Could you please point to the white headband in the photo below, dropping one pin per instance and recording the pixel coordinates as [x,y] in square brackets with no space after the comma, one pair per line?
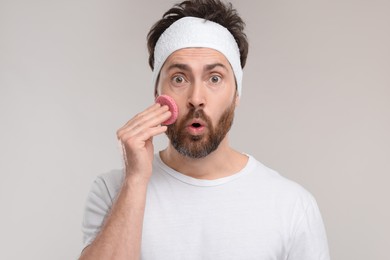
[190,32]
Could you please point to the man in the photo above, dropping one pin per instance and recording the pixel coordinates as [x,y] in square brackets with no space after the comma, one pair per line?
[199,198]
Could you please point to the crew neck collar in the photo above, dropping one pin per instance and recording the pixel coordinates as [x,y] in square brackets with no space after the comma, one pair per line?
[202,182]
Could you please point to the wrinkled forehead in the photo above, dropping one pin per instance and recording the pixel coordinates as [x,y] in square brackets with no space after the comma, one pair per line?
[201,57]
[192,32]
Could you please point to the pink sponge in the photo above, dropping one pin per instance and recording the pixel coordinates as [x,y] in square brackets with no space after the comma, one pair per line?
[167,100]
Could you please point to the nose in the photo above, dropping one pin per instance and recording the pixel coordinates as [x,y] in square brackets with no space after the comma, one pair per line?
[196,96]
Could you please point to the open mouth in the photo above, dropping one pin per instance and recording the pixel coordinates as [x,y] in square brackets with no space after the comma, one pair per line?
[196,128]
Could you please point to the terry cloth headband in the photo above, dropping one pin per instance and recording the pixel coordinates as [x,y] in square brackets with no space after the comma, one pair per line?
[195,32]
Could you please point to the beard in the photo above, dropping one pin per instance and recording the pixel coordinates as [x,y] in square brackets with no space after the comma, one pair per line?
[199,146]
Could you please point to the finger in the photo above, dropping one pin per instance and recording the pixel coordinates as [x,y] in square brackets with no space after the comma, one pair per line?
[141,137]
[151,109]
[151,112]
[141,124]
[145,125]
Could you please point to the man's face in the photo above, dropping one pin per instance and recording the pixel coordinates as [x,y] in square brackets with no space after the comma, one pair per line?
[202,83]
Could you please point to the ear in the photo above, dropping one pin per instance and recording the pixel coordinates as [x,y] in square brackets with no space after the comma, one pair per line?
[156,92]
[156,87]
[237,101]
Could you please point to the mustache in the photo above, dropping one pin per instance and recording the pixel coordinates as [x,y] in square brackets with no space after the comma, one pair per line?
[193,113]
[196,114]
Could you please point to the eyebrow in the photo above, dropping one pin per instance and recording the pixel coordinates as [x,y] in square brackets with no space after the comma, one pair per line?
[185,67]
[214,65]
[179,66]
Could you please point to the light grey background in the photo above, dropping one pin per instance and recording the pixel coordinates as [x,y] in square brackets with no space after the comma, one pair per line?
[315,107]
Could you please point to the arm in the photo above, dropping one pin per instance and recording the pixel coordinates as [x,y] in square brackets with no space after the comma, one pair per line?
[120,235]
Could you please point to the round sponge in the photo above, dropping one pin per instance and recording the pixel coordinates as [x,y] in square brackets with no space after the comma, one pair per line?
[167,100]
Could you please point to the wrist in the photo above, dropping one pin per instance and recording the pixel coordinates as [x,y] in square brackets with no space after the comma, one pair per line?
[136,180]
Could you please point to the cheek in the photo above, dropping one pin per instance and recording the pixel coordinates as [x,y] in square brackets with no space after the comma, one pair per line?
[162,84]
[163,88]
[182,109]
[214,115]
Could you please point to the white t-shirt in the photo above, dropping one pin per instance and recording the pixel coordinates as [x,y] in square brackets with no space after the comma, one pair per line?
[253,214]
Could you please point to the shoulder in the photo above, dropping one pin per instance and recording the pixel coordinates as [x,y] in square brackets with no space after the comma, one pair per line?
[108,184]
[288,196]
[279,186]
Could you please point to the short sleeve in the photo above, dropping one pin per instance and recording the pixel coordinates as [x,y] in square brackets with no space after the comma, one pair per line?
[99,202]
[309,240]
[97,207]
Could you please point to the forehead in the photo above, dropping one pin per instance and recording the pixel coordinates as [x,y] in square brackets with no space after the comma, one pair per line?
[193,56]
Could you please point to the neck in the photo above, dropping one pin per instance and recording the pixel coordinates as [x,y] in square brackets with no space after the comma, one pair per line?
[222,162]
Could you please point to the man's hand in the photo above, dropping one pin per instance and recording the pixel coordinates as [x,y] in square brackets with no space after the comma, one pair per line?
[136,138]
[120,235]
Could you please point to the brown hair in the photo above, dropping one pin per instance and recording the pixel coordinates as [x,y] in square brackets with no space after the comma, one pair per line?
[213,10]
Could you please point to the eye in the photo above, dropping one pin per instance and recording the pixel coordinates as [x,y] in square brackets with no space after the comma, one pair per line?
[215,79]
[179,79]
